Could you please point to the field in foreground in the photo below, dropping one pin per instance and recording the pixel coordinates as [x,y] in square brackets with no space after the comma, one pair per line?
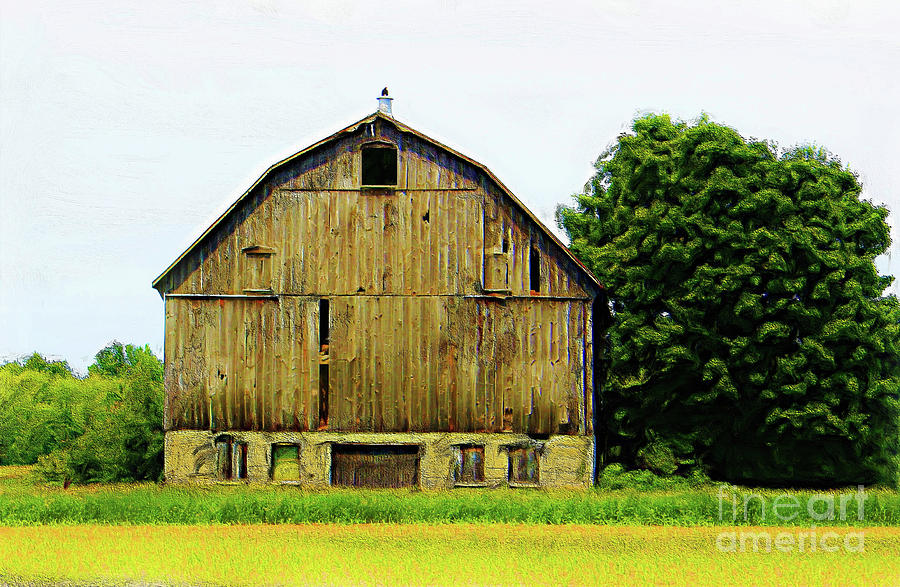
[456,554]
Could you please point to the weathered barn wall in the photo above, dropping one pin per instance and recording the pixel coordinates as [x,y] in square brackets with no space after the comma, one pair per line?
[565,461]
[434,324]
[395,363]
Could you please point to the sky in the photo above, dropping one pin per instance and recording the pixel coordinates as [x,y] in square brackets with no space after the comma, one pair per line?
[126,128]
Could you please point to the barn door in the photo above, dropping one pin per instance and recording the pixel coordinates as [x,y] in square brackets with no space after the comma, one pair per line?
[367,465]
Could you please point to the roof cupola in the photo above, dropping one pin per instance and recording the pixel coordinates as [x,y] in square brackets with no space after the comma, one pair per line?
[384,102]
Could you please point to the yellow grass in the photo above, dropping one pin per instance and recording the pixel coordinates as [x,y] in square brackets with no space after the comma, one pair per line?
[15,471]
[458,554]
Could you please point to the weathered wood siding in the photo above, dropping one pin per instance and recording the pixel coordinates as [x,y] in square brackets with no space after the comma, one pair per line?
[429,236]
[396,363]
[241,364]
[416,340]
[503,222]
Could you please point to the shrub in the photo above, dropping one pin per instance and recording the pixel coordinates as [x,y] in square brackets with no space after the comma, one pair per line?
[104,427]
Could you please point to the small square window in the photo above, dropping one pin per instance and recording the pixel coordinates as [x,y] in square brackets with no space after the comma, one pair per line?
[285,462]
[470,468]
[379,166]
[524,466]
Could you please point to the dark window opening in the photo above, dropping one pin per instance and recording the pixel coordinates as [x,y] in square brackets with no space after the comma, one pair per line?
[507,419]
[523,466]
[323,325]
[324,335]
[379,166]
[223,457]
[534,270]
[285,462]
[239,460]
[505,245]
[471,465]
[323,395]
[231,458]
[375,465]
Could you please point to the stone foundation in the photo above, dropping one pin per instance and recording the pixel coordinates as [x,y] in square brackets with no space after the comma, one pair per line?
[563,461]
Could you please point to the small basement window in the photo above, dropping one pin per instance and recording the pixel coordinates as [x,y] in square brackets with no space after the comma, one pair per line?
[524,466]
[231,458]
[223,458]
[470,469]
[379,166]
[285,462]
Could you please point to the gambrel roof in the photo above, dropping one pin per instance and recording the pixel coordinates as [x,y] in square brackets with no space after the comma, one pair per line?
[350,129]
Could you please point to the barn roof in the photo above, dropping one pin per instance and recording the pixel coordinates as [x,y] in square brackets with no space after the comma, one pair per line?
[403,128]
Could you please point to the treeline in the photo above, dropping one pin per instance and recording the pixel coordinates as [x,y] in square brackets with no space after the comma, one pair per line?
[106,426]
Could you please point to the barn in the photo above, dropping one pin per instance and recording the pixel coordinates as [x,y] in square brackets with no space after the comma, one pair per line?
[379,310]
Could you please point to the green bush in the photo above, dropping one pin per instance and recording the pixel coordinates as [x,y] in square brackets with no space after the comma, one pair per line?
[616,477]
[103,427]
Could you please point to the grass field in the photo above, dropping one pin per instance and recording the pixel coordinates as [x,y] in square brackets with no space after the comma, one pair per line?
[244,535]
[450,554]
[23,502]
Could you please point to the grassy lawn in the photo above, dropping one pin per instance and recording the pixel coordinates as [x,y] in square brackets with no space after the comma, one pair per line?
[420,554]
[23,502]
[269,535]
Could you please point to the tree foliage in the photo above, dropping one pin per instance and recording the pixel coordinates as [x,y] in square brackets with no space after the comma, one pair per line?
[42,407]
[751,336]
[104,427]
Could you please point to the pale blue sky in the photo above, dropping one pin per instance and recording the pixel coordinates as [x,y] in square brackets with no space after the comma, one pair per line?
[126,127]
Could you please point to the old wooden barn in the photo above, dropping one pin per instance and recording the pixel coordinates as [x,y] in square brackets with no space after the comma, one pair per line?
[379,310]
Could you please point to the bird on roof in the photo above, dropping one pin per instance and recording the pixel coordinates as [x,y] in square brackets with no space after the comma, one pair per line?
[384,91]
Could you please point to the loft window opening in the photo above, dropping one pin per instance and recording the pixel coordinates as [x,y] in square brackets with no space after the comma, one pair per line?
[379,166]
[323,396]
[324,335]
[323,324]
[534,269]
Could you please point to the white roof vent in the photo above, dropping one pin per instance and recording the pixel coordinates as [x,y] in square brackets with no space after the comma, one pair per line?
[384,103]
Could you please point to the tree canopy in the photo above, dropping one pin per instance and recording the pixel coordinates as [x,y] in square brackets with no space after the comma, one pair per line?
[751,335]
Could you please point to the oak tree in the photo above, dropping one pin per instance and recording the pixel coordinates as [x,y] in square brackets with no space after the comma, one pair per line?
[751,334]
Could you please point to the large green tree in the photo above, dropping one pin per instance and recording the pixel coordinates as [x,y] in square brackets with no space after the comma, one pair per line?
[751,335]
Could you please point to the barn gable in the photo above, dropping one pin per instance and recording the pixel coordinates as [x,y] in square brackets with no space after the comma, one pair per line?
[316,197]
